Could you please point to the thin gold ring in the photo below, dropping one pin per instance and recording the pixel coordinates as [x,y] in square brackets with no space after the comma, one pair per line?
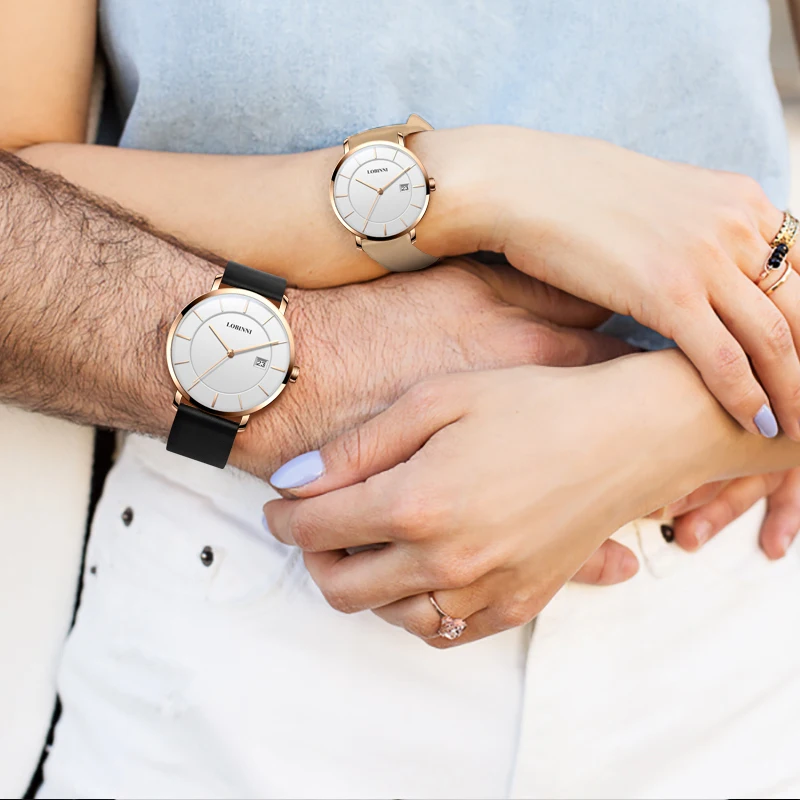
[787,273]
[787,233]
[449,627]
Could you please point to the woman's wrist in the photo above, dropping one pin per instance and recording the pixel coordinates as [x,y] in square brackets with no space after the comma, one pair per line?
[703,442]
[690,438]
[470,209]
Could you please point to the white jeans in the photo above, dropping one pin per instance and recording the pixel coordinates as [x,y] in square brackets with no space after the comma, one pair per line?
[237,680]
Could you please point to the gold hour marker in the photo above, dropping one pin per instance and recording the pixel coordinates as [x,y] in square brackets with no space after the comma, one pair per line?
[181,336]
[395,155]
[178,363]
[346,215]
[246,306]
[340,195]
[376,153]
[241,407]
[384,229]
[263,390]
[405,224]
[194,311]
[280,369]
[415,205]
[214,401]
[418,186]
[221,307]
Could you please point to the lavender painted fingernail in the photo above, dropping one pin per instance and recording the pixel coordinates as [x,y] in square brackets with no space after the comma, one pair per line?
[765,422]
[299,471]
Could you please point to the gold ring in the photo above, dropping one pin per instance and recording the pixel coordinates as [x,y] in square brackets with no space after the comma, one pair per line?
[787,234]
[449,627]
[783,278]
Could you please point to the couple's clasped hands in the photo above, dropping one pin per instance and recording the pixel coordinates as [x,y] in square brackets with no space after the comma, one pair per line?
[492,489]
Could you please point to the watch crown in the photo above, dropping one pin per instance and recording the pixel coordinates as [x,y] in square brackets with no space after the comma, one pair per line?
[431,185]
[294,374]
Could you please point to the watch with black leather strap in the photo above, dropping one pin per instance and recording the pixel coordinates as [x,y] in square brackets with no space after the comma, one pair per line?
[230,353]
[380,192]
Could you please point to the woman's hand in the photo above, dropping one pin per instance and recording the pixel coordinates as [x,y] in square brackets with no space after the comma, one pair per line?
[677,247]
[705,512]
[492,489]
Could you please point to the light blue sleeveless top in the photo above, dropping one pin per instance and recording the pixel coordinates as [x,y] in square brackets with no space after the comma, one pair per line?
[688,80]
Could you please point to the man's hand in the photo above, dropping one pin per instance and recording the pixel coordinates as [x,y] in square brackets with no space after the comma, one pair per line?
[702,514]
[361,347]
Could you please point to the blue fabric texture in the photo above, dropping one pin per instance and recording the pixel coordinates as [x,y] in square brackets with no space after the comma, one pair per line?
[684,80]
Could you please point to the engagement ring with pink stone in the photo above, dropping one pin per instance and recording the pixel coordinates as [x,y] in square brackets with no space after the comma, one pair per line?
[449,627]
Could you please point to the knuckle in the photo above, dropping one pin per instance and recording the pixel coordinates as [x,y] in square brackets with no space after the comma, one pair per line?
[778,337]
[339,599]
[520,607]
[730,364]
[750,191]
[425,397]
[737,224]
[515,615]
[358,449]
[417,513]
[304,531]
[683,291]
[454,572]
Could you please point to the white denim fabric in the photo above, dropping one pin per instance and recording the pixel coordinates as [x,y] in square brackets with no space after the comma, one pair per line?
[237,680]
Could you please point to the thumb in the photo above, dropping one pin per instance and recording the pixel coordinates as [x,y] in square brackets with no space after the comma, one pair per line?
[381,443]
[611,563]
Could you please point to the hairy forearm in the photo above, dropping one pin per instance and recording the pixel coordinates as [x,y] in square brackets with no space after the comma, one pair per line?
[86,294]
[271,212]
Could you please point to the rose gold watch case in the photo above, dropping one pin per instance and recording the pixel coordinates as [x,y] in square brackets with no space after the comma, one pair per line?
[359,234]
[182,396]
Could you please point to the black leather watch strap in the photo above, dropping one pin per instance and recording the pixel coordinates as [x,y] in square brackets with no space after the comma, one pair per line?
[202,436]
[241,277]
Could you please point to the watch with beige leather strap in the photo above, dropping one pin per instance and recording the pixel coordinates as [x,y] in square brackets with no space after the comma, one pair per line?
[380,192]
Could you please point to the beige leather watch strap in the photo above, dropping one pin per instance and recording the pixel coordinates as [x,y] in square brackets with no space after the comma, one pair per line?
[400,254]
[397,255]
[390,133]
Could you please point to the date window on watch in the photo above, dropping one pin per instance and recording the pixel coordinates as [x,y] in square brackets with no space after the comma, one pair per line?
[261,363]
[404,187]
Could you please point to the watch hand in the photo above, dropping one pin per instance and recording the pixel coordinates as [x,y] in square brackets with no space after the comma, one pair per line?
[255,347]
[372,208]
[368,185]
[212,367]
[220,340]
[399,175]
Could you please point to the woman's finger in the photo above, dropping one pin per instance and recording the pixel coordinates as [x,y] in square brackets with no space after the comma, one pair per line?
[343,518]
[382,442]
[373,578]
[694,529]
[725,368]
[782,521]
[768,332]
[419,616]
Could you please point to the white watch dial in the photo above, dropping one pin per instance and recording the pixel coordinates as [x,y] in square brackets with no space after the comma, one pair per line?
[380,191]
[230,352]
